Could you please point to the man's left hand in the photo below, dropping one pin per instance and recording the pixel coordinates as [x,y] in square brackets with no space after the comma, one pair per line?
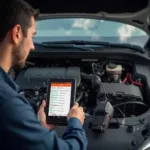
[42,117]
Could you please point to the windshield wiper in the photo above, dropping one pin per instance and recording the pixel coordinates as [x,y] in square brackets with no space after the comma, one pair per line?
[62,46]
[99,43]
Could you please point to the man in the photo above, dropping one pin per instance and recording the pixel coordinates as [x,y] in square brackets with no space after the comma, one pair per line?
[20,128]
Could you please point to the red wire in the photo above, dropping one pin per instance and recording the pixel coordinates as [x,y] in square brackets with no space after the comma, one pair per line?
[129,77]
[125,79]
[136,83]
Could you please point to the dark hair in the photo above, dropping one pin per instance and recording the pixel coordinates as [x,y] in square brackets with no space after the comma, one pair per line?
[14,12]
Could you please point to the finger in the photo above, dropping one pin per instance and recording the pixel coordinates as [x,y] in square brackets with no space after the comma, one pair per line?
[51,126]
[75,105]
[81,108]
[43,104]
[83,116]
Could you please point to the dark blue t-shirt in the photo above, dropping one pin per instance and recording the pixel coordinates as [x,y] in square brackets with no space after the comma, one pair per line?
[20,128]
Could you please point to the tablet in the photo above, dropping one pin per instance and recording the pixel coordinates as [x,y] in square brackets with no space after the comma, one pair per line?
[61,95]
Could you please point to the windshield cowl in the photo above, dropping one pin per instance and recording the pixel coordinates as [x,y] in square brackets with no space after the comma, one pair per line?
[87,45]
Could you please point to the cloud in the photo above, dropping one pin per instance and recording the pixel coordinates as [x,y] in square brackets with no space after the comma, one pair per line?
[83,23]
[126,31]
[68,32]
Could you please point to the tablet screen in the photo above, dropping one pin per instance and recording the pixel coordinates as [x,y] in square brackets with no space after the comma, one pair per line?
[60,96]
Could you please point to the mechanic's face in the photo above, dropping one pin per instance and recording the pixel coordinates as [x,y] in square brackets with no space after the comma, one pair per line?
[23,45]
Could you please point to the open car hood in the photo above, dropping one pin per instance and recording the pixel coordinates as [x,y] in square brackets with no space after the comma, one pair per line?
[135,12]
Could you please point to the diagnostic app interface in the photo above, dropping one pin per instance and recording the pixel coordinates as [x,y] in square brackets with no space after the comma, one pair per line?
[60,94]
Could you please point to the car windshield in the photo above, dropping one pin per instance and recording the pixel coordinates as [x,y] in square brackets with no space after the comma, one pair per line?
[68,29]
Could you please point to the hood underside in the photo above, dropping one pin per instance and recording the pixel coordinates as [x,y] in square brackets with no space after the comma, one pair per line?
[133,12]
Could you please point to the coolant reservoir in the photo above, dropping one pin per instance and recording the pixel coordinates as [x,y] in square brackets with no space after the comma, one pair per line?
[114,71]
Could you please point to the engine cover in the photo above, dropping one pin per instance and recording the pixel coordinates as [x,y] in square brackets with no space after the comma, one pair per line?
[37,77]
[117,92]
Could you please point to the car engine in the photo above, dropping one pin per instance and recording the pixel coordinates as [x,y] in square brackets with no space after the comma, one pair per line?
[96,81]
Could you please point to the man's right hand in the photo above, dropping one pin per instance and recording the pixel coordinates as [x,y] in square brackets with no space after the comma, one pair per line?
[77,112]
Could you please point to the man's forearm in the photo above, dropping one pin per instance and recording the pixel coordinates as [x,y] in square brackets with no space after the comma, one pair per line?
[75,135]
[23,128]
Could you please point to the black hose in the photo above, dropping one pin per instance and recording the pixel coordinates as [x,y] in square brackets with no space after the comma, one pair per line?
[79,97]
[86,77]
[131,102]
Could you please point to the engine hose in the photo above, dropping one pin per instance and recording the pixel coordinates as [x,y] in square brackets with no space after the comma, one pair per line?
[85,76]
[79,97]
[131,102]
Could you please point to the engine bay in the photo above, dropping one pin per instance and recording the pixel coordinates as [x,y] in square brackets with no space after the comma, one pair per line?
[125,85]
[117,81]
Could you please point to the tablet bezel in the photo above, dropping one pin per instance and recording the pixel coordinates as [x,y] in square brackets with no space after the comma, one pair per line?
[59,119]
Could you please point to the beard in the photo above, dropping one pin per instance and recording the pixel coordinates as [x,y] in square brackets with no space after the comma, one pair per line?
[18,56]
